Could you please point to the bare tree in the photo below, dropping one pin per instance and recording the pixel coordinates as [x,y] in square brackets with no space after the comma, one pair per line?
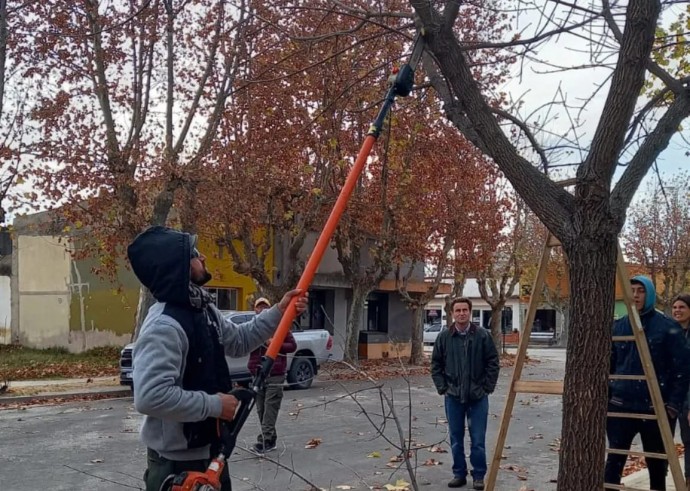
[134,121]
[588,222]
[13,107]
[498,280]
[657,237]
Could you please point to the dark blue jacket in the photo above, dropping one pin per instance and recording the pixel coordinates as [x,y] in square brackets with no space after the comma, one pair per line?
[670,356]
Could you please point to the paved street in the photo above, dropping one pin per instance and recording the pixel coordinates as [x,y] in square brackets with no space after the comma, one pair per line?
[95,445]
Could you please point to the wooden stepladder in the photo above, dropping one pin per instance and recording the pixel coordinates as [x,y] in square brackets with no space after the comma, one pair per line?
[555,387]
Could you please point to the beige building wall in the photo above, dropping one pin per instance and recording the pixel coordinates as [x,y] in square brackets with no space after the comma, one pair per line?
[43,274]
[5,310]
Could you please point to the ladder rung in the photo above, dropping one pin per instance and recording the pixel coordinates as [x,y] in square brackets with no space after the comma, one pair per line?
[621,486]
[622,338]
[627,377]
[539,386]
[651,455]
[631,415]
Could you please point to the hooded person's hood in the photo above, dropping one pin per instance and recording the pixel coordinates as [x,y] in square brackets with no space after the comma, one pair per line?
[650,293]
[160,258]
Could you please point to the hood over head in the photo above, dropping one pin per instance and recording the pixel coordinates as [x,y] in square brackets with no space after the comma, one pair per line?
[650,292]
[160,258]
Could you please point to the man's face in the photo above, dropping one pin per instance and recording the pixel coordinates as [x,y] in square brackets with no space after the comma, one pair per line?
[198,273]
[639,295]
[461,313]
[260,308]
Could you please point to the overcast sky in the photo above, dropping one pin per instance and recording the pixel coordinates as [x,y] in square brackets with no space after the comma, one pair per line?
[534,87]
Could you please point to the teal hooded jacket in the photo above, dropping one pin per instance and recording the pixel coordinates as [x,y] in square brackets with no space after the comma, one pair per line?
[670,356]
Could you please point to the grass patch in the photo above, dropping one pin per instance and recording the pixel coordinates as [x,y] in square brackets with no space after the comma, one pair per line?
[20,363]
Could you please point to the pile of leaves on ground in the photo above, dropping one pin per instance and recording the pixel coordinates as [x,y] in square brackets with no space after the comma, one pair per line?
[387,368]
[508,360]
[21,363]
[56,401]
[381,369]
[635,463]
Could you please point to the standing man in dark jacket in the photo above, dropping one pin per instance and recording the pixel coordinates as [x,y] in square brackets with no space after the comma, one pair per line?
[180,375]
[268,400]
[670,358]
[464,367]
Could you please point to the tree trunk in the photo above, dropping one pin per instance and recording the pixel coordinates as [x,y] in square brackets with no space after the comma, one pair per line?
[145,302]
[417,337]
[495,326]
[354,320]
[587,363]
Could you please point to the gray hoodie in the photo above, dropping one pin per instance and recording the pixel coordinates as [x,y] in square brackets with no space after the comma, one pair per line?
[161,350]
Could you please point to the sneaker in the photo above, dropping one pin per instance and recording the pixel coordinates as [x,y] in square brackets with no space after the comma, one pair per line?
[478,484]
[262,448]
[457,482]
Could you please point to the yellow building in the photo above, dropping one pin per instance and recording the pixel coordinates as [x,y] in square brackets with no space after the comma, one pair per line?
[58,301]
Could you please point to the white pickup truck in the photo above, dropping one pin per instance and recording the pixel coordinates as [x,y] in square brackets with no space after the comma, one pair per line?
[314,346]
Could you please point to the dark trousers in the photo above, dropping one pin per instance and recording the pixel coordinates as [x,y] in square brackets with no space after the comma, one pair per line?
[158,468]
[621,432]
[476,413]
[685,436]
[268,403]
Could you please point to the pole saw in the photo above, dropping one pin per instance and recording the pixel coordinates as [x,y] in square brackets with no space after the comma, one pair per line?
[400,84]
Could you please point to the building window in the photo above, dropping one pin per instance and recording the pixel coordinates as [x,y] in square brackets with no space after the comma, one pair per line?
[225,298]
[433,316]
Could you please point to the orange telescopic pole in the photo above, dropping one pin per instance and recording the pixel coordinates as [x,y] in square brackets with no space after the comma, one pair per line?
[400,84]
[322,244]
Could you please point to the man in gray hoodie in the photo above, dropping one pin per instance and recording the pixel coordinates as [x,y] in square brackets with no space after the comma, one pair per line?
[180,375]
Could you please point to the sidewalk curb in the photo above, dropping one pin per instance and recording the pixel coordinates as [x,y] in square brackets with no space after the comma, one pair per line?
[107,392]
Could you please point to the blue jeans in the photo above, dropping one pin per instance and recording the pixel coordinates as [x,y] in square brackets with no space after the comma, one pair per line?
[477,413]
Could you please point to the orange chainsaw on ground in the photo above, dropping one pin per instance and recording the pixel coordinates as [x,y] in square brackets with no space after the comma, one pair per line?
[400,84]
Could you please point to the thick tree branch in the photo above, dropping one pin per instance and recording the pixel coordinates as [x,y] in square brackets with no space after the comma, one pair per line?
[550,202]
[654,144]
[528,133]
[626,84]
[452,107]
[210,61]
[673,84]
[101,82]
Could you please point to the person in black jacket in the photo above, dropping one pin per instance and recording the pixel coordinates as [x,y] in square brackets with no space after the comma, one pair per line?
[464,368]
[680,309]
[670,359]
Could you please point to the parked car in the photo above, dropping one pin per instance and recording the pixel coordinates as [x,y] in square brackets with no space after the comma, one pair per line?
[314,347]
[431,332]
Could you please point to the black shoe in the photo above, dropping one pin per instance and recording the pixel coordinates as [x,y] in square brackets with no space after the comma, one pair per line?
[262,448]
[457,482]
[478,484]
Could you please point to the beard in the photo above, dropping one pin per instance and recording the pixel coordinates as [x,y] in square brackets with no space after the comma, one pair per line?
[202,279]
